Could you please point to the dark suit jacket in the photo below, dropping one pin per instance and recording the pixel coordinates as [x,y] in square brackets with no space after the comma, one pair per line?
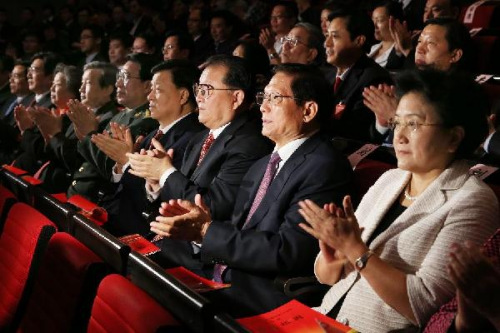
[356,120]
[272,243]
[32,143]
[203,48]
[219,175]
[131,197]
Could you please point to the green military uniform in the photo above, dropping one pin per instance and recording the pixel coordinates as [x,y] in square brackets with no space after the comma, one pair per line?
[140,123]
[86,178]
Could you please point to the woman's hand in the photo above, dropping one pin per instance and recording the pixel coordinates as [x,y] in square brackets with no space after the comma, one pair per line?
[335,227]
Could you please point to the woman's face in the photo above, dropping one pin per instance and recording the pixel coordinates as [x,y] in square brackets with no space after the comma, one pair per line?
[324,20]
[426,147]
[381,22]
[59,93]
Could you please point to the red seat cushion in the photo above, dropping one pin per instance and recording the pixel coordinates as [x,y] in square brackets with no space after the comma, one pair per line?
[121,306]
[367,172]
[25,236]
[62,286]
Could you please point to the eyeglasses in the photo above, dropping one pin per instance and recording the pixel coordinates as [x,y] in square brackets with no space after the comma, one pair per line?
[292,41]
[167,47]
[17,76]
[206,90]
[34,69]
[413,125]
[273,98]
[125,76]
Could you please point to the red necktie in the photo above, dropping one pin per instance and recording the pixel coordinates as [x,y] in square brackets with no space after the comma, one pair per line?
[158,135]
[272,167]
[206,146]
[337,83]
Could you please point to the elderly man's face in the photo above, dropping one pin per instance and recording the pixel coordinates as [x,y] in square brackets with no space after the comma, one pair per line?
[171,49]
[131,91]
[91,92]
[282,117]
[217,102]
[296,49]
[433,49]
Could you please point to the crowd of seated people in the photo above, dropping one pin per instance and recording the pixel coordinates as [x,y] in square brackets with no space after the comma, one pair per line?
[205,127]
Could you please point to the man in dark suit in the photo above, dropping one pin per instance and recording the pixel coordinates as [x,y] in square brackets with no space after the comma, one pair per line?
[6,65]
[197,25]
[91,39]
[262,238]
[9,133]
[346,47]
[40,76]
[178,123]
[216,159]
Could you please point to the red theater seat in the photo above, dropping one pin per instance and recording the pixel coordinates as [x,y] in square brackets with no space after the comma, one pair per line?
[7,199]
[121,306]
[486,15]
[367,172]
[22,244]
[64,288]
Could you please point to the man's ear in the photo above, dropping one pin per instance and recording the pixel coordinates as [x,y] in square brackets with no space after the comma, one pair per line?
[360,40]
[310,111]
[313,53]
[184,96]
[456,55]
[238,98]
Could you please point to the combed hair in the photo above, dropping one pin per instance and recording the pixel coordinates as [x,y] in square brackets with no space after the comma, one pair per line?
[50,61]
[109,71]
[315,40]
[238,74]
[393,8]
[457,99]
[146,62]
[184,40]
[358,24]
[184,74]
[73,76]
[309,84]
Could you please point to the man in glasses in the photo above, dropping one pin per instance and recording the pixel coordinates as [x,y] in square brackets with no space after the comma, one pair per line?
[133,85]
[216,159]
[303,45]
[178,45]
[262,239]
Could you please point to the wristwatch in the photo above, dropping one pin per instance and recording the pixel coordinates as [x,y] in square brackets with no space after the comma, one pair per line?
[360,263]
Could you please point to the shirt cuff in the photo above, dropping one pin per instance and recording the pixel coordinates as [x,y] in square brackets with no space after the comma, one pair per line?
[381,129]
[166,174]
[196,247]
[486,144]
[151,194]
[116,177]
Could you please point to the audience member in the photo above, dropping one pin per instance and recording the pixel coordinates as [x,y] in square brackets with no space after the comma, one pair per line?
[388,255]
[173,105]
[257,60]
[283,18]
[384,53]
[133,85]
[476,276]
[91,38]
[308,13]
[261,239]
[346,47]
[9,133]
[140,21]
[303,45]
[216,159]
[120,44]
[222,28]
[178,45]
[91,115]
[6,96]
[197,26]
[144,43]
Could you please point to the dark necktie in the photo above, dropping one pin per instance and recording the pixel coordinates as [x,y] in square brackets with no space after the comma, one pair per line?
[158,135]
[206,146]
[272,167]
[337,83]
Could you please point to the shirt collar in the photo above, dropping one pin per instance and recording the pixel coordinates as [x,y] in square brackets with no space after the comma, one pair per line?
[165,129]
[216,132]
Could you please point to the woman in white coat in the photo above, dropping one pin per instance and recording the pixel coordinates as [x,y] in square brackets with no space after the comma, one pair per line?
[387,261]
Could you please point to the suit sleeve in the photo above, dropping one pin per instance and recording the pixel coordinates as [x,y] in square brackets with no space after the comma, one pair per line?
[287,248]
[64,149]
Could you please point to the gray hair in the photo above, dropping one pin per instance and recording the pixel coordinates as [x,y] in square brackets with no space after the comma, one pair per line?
[315,40]
[72,75]
[109,71]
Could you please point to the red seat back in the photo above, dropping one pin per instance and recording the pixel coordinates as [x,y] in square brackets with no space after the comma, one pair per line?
[121,306]
[486,15]
[22,244]
[367,172]
[7,199]
[64,288]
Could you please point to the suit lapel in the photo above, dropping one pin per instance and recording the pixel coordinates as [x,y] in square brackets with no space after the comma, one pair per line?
[280,181]
[428,202]
[189,165]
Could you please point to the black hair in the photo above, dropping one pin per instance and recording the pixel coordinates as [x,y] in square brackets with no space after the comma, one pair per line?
[50,61]
[184,74]
[358,23]
[146,62]
[291,8]
[457,99]
[392,8]
[184,40]
[123,37]
[309,84]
